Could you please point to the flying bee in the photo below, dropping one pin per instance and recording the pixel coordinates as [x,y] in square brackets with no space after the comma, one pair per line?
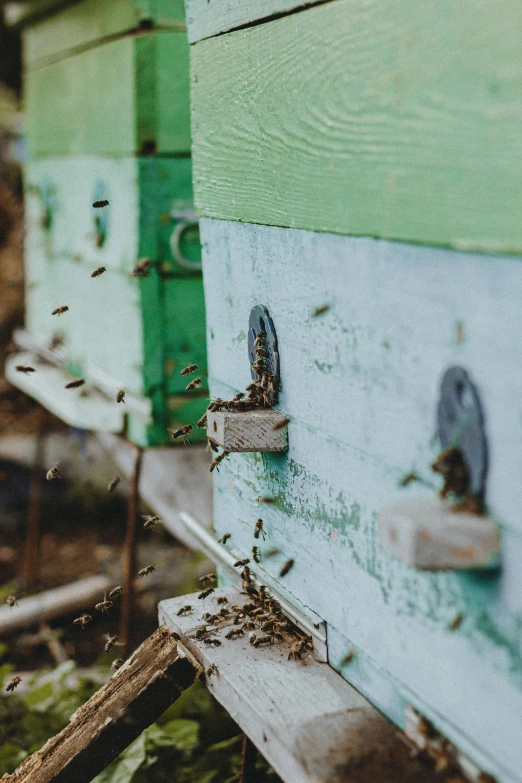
[207,579]
[408,478]
[202,423]
[147,570]
[113,484]
[222,599]
[75,384]
[115,592]
[264,499]
[142,268]
[255,554]
[83,620]
[217,462]
[193,384]
[205,593]
[210,642]
[12,684]
[286,568]
[184,610]
[99,271]
[456,622]
[281,424]
[109,644]
[53,473]
[241,563]
[100,204]
[212,445]
[234,633]
[320,310]
[258,529]
[150,522]
[182,432]
[11,600]
[104,606]
[224,539]
[60,310]
[24,369]
[212,669]
[348,657]
[120,396]
[117,664]
[189,370]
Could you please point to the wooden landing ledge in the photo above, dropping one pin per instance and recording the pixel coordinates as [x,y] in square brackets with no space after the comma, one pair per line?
[309,724]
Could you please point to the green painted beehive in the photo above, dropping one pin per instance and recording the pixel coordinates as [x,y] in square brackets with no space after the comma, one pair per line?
[106,91]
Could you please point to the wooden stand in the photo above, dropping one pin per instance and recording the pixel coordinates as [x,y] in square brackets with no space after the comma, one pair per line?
[258,430]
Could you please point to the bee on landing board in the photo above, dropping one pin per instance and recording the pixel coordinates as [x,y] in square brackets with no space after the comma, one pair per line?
[120,396]
[184,610]
[145,571]
[210,642]
[12,684]
[117,664]
[234,633]
[11,600]
[99,271]
[212,669]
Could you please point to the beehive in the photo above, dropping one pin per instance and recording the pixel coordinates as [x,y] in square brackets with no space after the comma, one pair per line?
[357,166]
[107,104]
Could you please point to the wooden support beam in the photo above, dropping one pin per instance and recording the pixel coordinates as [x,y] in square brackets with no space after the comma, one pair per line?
[259,430]
[426,534]
[138,693]
[310,724]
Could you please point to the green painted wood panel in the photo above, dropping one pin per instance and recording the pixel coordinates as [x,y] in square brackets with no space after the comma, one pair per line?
[112,99]
[81,25]
[398,120]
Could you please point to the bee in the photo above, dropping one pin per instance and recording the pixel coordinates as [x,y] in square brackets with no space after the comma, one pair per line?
[202,423]
[259,366]
[451,465]
[241,563]
[296,651]
[206,592]
[206,579]
[109,644]
[224,539]
[193,384]
[147,570]
[182,432]
[348,657]
[75,384]
[113,484]
[117,664]
[210,642]
[24,369]
[212,669]
[189,370]
[142,268]
[206,616]
[456,622]
[281,424]
[320,310]
[104,606]
[234,633]
[212,619]
[224,612]
[248,626]
[54,344]
[11,600]
[260,339]
[222,599]
[99,271]
[60,310]
[100,204]
[264,499]
[200,632]
[150,522]
[259,640]
[83,620]
[216,463]
[120,396]
[286,568]
[184,610]
[115,592]
[12,684]
[53,473]
[212,445]
[255,554]
[258,529]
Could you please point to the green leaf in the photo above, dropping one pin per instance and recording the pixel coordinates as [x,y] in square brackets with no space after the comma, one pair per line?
[180,733]
[225,744]
[40,698]
[123,768]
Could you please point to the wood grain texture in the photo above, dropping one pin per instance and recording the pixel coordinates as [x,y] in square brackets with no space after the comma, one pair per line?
[84,24]
[138,693]
[205,19]
[112,99]
[360,385]
[310,725]
[397,120]
[426,534]
[248,431]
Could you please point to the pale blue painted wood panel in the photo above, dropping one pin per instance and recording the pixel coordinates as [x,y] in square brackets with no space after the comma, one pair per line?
[360,385]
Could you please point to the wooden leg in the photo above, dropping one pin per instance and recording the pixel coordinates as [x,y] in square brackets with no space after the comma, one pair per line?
[129,556]
[248,762]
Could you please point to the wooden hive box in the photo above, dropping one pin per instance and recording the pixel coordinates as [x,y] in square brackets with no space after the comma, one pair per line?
[357,166]
[106,93]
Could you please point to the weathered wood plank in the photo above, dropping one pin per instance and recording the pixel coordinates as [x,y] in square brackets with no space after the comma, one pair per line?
[138,693]
[308,723]
[393,120]
[360,384]
[248,431]
[206,19]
